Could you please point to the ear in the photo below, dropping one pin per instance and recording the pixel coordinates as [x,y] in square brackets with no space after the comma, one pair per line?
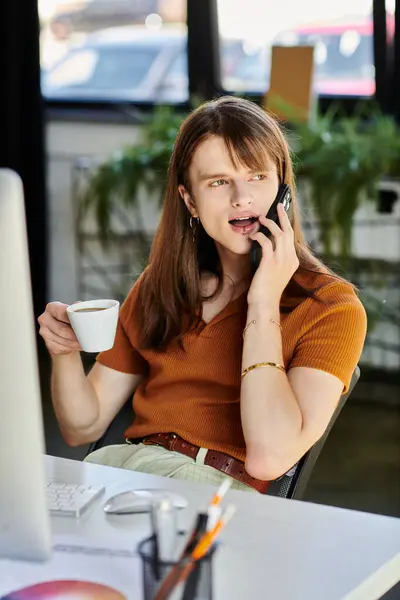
[186,197]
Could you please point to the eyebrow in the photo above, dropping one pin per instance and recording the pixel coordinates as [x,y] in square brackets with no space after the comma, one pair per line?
[206,176]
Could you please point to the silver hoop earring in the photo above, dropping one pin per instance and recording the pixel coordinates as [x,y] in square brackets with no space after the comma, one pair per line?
[193,227]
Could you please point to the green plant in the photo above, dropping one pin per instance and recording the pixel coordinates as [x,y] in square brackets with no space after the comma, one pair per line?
[135,170]
[342,159]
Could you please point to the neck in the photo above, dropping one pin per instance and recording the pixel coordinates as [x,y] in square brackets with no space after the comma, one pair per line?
[234,267]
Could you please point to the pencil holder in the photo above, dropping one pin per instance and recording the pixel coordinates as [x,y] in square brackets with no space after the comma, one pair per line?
[198,585]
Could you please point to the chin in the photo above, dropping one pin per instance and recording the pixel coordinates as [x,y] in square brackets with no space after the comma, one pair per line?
[243,252]
[242,249]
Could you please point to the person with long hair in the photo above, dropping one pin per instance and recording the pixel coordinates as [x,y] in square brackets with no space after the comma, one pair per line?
[232,373]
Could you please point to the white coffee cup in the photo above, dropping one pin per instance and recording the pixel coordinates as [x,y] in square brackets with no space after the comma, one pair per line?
[94,323]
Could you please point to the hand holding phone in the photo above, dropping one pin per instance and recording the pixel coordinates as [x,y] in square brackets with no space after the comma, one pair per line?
[283,196]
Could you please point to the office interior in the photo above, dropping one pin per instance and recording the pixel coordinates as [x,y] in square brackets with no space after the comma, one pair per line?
[76,92]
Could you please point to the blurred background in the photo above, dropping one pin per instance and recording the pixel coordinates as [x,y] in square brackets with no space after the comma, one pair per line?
[109,83]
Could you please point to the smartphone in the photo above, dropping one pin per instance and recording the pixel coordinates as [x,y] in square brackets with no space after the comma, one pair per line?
[284,196]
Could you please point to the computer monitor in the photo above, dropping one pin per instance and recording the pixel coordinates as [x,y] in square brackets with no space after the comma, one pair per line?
[24,517]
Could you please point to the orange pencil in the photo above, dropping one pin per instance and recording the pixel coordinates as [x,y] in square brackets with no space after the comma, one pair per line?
[182,570]
[209,538]
[220,493]
[214,509]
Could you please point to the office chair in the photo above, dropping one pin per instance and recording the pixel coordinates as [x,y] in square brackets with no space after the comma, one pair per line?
[294,482]
[290,485]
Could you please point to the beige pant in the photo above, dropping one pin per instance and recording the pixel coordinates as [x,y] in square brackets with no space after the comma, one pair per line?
[157,460]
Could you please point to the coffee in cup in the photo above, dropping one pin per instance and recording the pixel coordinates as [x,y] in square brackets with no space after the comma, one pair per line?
[81,310]
[94,323]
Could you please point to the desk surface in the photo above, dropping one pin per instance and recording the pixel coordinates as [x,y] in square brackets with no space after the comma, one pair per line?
[283,549]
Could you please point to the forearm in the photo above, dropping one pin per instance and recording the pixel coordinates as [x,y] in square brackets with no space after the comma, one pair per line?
[271,416]
[74,399]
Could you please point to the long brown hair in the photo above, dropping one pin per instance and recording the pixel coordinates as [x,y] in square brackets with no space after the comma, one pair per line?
[170,288]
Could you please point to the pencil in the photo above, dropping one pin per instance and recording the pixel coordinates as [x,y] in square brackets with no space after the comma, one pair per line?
[214,508]
[209,538]
[182,570]
[221,492]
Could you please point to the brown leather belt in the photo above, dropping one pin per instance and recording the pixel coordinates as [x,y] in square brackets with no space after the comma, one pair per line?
[214,458]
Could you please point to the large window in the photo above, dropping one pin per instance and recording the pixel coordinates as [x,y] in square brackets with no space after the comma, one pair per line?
[136,50]
[340,31]
[115,50]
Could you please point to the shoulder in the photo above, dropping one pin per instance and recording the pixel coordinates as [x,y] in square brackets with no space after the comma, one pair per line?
[329,328]
[336,293]
[129,305]
[335,300]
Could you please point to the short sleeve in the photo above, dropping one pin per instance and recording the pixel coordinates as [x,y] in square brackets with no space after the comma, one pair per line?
[123,356]
[334,334]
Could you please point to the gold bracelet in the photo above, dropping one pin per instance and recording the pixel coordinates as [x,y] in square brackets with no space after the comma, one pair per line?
[254,322]
[276,323]
[247,326]
[263,364]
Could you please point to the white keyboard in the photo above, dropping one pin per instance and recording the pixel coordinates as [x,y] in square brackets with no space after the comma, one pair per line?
[71,499]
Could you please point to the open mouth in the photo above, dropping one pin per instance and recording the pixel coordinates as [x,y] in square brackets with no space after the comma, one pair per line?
[243,221]
[244,225]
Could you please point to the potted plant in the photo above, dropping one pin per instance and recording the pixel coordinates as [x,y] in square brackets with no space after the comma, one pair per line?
[343,159]
[134,172]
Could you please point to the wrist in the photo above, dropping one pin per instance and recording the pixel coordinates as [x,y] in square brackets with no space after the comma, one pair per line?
[71,357]
[261,318]
[263,310]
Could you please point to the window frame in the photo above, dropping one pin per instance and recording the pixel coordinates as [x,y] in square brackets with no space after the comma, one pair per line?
[204,76]
[395,88]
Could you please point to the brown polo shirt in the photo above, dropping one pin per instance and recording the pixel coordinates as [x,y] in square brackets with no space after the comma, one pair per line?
[196,393]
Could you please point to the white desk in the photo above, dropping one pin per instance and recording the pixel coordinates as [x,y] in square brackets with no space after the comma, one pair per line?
[273,548]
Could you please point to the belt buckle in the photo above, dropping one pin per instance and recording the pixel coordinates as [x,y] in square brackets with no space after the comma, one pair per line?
[148,442]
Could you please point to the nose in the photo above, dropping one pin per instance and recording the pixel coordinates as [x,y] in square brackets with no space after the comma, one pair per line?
[241,196]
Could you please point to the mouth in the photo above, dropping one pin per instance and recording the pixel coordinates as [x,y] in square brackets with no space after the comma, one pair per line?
[245,225]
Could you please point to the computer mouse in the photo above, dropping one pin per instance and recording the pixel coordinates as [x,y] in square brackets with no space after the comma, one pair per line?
[139,501]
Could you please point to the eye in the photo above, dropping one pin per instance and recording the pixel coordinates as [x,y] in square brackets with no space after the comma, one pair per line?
[218,182]
[259,176]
